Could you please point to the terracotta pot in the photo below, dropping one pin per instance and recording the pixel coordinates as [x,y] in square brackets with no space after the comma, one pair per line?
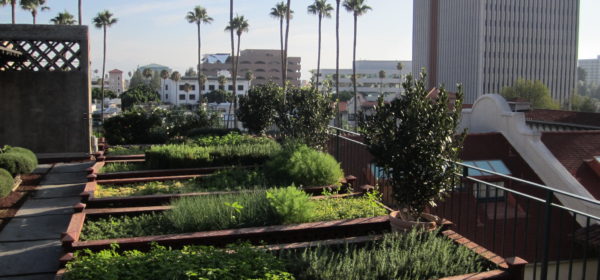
[400,222]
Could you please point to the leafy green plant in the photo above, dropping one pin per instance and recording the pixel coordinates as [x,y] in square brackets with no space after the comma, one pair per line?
[127,150]
[141,94]
[126,226]
[413,138]
[137,126]
[303,166]
[292,204]
[6,182]
[258,109]
[17,160]
[233,138]
[345,208]
[192,262]
[122,167]
[414,255]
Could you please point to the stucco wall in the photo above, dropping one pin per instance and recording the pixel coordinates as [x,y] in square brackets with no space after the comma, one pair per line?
[45,101]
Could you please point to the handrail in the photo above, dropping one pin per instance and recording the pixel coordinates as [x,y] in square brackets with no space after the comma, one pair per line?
[344,130]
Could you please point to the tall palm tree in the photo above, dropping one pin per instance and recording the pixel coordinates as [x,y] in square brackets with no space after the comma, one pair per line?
[64,18]
[147,73]
[240,25]
[164,75]
[79,11]
[104,20]
[199,16]
[279,12]
[337,62]
[233,58]
[288,14]
[202,80]
[222,80]
[399,67]
[323,10]
[175,76]
[357,8]
[33,6]
[381,77]
[13,5]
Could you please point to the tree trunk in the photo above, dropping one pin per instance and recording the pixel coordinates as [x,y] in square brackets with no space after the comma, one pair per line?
[13,5]
[80,13]
[33,14]
[287,33]
[319,55]
[354,77]
[337,62]
[199,66]
[232,48]
[282,49]
[102,84]
[234,83]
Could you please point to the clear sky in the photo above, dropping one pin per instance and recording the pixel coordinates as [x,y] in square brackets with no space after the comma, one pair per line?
[155,31]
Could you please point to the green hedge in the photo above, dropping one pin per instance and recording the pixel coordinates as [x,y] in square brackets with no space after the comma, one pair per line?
[303,166]
[17,160]
[189,156]
[6,182]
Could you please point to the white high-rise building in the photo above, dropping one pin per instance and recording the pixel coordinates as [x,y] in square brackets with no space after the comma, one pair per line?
[488,44]
[592,70]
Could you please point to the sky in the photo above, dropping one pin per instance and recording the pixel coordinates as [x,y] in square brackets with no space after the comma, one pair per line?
[155,31]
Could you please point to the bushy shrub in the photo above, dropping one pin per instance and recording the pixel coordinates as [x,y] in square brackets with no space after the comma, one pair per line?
[230,139]
[177,156]
[292,204]
[179,122]
[127,150]
[6,182]
[126,226]
[210,131]
[137,126]
[258,109]
[414,255]
[17,160]
[218,212]
[192,262]
[141,94]
[303,166]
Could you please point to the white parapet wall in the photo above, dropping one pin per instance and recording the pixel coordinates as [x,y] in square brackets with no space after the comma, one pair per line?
[491,113]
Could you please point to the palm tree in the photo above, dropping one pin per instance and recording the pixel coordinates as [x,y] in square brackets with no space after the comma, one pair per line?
[323,10]
[103,20]
[202,80]
[147,73]
[175,76]
[399,67]
[63,18]
[33,6]
[279,12]
[240,25]
[164,75]
[381,77]
[199,16]
[79,10]
[357,8]
[13,4]
[233,58]
[222,80]
[288,14]
[337,62]
[249,77]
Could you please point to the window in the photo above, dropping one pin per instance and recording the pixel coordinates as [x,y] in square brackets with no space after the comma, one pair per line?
[192,97]
[193,87]
[240,87]
[166,87]
[221,87]
[167,96]
[181,87]
[487,192]
[230,87]
[182,97]
[211,87]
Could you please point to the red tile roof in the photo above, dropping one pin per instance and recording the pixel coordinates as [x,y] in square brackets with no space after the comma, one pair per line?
[115,71]
[559,116]
[572,149]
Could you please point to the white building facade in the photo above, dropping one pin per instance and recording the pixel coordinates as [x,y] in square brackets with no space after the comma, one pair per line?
[116,83]
[488,44]
[368,82]
[187,92]
[592,70]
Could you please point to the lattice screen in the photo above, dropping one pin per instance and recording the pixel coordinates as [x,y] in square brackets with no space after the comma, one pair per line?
[43,56]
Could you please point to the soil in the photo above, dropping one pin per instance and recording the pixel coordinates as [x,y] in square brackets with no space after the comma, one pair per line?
[10,204]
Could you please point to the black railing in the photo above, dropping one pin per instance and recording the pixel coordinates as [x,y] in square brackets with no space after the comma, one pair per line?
[557,232]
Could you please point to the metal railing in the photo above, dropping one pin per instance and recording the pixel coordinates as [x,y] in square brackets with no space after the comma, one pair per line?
[557,232]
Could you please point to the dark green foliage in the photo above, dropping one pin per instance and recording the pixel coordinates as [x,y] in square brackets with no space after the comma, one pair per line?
[233,138]
[127,150]
[97,94]
[126,226]
[141,94]
[413,138]
[292,205]
[210,131]
[6,182]
[345,96]
[122,167]
[17,160]
[136,126]
[179,122]
[192,262]
[414,255]
[303,166]
[257,110]
[219,96]
[304,115]
[188,156]
[536,92]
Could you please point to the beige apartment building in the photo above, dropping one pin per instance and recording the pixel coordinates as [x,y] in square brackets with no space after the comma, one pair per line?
[264,64]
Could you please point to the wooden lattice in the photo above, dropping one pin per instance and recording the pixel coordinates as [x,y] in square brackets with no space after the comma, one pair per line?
[43,56]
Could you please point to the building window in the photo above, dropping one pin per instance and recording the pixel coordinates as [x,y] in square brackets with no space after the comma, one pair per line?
[230,87]
[182,97]
[211,87]
[240,87]
[486,192]
[193,87]
[167,96]
[192,97]
[166,87]
[221,87]
[181,87]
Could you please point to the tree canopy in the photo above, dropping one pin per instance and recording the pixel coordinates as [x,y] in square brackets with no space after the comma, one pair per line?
[140,94]
[534,92]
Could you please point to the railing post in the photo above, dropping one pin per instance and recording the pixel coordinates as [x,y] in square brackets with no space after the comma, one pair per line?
[546,240]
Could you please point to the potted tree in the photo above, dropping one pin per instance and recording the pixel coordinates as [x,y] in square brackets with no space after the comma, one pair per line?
[413,138]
